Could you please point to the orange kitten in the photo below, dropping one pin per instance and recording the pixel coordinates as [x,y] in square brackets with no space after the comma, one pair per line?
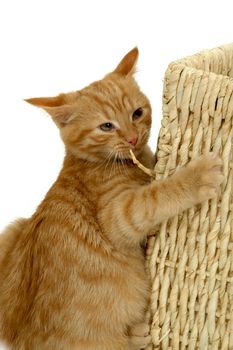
[72,277]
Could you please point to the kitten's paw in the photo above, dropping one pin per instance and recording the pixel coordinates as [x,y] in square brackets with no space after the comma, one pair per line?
[139,336]
[205,176]
[139,343]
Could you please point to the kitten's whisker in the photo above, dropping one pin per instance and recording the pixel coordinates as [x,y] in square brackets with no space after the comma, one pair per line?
[108,159]
[124,167]
[118,163]
[121,166]
[104,162]
[113,167]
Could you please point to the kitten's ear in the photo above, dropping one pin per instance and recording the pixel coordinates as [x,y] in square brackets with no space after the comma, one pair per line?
[55,106]
[128,63]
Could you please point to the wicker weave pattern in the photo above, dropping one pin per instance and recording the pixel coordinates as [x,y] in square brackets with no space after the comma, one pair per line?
[190,258]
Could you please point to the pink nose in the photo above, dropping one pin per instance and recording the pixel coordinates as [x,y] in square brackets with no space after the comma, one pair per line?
[133,139]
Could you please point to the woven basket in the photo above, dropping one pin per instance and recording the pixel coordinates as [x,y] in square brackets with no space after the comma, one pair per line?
[190,257]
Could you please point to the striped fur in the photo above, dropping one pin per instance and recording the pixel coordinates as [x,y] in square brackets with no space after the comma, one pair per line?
[72,277]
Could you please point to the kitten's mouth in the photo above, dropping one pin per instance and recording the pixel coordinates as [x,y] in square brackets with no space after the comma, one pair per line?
[127,161]
[125,158]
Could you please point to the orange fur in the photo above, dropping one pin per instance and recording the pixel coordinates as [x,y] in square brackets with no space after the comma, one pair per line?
[72,277]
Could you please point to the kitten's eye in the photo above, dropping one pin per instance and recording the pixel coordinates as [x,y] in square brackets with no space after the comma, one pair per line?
[137,114]
[107,127]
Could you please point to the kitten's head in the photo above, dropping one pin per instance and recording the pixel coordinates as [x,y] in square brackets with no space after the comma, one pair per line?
[105,119]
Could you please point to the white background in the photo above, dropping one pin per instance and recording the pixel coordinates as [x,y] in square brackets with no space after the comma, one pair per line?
[48,47]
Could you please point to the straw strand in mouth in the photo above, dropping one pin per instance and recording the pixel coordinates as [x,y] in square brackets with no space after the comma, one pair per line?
[142,167]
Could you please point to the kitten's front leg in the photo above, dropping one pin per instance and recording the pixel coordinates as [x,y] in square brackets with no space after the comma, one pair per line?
[137,210]
[200,180]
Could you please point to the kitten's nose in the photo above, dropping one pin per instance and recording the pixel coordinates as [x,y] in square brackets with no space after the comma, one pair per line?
[132,139]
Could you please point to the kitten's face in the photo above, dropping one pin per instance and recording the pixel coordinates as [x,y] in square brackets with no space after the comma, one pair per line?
[106,119]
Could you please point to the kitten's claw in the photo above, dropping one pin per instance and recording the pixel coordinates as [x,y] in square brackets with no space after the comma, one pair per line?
[205,176]
[139,343]
[140,336]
